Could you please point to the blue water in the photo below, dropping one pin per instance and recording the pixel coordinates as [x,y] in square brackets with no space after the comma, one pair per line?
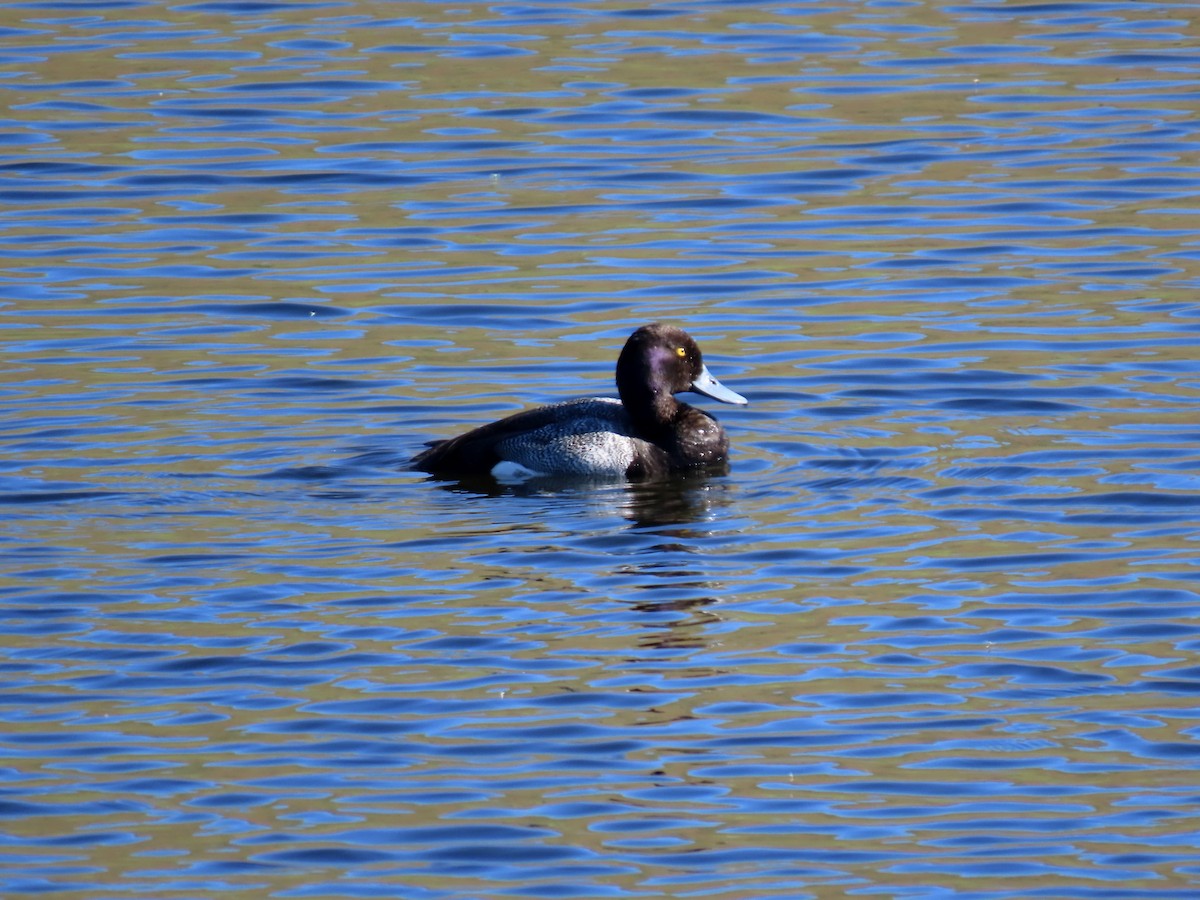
[934,635]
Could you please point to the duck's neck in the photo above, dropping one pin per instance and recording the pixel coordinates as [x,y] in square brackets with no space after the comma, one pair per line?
[643,384]
[653,411]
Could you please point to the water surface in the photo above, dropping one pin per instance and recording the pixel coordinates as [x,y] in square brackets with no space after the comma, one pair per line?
[935,634]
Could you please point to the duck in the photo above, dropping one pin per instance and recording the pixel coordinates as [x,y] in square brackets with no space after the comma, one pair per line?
[647,433]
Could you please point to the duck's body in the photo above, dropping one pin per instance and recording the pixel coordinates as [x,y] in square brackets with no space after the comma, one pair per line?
[646,433]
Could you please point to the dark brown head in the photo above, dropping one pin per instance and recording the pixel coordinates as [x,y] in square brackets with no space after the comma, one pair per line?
[659,361]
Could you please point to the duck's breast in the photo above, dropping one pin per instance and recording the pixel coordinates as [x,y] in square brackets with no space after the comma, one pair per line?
[699,438]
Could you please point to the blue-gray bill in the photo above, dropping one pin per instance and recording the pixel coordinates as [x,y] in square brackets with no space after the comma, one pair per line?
[708,386]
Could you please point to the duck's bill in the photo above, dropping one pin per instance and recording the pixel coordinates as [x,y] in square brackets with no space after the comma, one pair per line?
[708,386]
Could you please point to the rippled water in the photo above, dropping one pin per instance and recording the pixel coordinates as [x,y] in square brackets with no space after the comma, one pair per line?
[936,633]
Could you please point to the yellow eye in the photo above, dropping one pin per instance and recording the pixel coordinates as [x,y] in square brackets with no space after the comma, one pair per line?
[680,351]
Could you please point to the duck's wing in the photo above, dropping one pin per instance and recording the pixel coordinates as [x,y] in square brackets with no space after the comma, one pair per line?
[525,437]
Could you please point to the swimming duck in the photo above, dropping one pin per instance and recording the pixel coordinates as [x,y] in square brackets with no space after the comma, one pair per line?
[645,434]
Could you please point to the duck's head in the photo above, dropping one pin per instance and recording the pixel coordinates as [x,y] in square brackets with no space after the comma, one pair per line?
[663,360]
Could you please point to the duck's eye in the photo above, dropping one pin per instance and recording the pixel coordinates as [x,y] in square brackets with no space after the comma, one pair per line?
[680,352]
